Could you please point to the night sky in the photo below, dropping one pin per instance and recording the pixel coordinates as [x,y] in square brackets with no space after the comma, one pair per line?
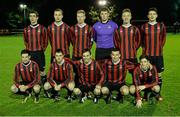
[168,10]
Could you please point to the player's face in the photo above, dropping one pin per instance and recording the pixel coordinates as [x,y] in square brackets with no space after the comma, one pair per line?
[58,16]
[80,18]
[144,63]
[33,18]
[152,15]
[86,57]
[104,16]
[59,57]
[126,17]
[25,58]
[115,55]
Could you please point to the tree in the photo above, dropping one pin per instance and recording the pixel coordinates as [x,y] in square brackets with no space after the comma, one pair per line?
[94,13]
[14,20]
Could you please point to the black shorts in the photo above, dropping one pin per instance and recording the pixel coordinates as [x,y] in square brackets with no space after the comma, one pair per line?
[29,90]
[39,58]
[157,61]
[85,88]
[53,58]
[103,53]
[113,86]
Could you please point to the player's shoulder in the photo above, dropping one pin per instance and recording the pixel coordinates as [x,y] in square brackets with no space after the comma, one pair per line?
[33,62]
[68,61]
[96,24]
[18,64]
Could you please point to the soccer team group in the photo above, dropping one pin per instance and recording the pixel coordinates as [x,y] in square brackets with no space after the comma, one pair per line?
[84,77]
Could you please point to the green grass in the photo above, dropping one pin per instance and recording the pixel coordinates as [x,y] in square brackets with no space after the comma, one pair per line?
[10,104]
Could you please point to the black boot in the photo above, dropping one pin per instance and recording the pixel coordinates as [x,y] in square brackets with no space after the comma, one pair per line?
[159,97]
[108,98]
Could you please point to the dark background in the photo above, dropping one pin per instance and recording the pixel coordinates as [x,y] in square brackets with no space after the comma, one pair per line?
[168,10]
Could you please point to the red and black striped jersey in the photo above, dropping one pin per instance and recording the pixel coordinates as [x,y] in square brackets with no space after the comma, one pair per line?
[60,73]
[83,39]
[60,37]
[35,38]
[28,73]
[129,41]
[153,39]
[148,78]
[116,73]
[91,74]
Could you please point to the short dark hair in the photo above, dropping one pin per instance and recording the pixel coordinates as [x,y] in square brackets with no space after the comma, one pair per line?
[87,50]
[35,12]
[58,9]
[143,56]
[25,52]
[115,50]
[104,9]
[126,10]
[152,9]
[59,51]
[81,11]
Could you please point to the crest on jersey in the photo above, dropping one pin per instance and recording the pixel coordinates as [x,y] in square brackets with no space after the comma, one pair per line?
[131,30]
[39,30]
[109,26]
[92,68]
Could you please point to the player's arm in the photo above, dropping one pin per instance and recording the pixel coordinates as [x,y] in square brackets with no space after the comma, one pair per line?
[45,38]
[69,75]
[163,34]
[154,78]
[49,36]
[94,34]
[117,39]
[25,35]
[91,37]
[35,76]
[136,83]
[137,38]
[50,75]
[17,76]
[100,71]
[142,43]
[70,35]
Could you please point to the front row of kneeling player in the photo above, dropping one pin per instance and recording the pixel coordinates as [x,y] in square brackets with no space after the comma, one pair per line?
[91,78]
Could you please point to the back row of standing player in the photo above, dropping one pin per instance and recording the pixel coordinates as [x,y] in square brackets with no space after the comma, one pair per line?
[105,33]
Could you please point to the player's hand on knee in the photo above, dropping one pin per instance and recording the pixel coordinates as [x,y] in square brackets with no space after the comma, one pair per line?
[57,87]
[98,86]
[23,88]
[139,104]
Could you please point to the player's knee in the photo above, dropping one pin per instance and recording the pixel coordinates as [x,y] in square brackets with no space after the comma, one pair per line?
[14,89]
[71,86]
[132,89]
[124,90]
[47,86]
[105,91]
[156,88]
[77,91]
[36,88]
[97,91]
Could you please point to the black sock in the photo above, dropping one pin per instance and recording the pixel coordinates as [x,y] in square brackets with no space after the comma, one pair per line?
[43,79]
[160,84]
